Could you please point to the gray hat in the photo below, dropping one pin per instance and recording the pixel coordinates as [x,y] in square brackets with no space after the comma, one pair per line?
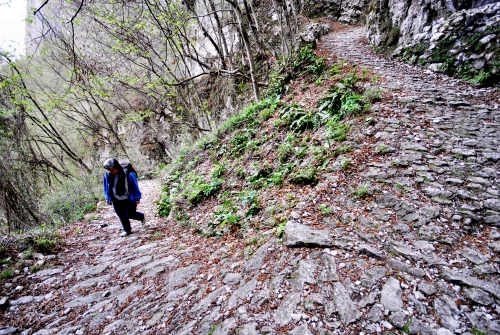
[109,163]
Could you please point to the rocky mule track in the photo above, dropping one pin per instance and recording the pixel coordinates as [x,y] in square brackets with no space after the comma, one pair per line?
[419,255]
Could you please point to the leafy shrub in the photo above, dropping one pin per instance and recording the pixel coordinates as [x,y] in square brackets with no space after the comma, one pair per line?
[298,119]
[71,200]
[306,61]
[44,245]
[225,215]
[164,206]
[250,200]
[6,274]
[219,170]
[285,151]
[200,190]
[248,116]
[342,102]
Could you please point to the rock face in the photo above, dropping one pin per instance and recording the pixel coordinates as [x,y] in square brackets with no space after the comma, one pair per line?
[454,37]
[347,11]
[297,235]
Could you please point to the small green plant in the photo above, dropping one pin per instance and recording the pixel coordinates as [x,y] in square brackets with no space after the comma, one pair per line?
[306,61]
[164,205]
[337,130]
[28,253]
[250,200]
[342,150]
[6,274]
[305,177]
[156,235]
[345,164]
[249,115]
[212,330]
[239,141]
[325,210]
[280,229]
[266,114]
[401,187]
[476,331]
[226,215]
[253,241]
[302,152]
[285,151]
[361,192]
[219,170]
[276,178]
[343,101]
[382,149]
[406,328]
[240,173]
[35,268]
[43,244]
[298,119]
[205,143]
[319,154]
[200,190]
[370,121]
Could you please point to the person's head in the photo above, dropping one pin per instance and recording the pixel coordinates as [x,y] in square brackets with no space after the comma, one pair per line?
[113,166]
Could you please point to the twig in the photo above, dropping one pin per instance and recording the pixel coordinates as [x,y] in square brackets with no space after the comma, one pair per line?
[78,11]
[40,8]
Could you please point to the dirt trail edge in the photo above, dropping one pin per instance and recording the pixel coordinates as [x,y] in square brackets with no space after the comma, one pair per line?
[421,256]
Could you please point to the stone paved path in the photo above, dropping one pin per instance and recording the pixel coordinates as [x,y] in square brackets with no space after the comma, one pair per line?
[420,255]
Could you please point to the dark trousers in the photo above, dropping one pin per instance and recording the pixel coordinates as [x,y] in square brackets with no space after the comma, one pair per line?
[126,210]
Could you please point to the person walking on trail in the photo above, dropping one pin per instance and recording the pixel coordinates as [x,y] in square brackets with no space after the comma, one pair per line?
[122,191]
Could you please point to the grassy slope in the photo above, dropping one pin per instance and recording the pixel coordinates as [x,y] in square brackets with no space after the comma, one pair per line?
[249,175]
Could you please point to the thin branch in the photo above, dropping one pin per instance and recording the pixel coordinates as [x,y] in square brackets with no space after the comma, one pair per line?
[78,11]
[40,8]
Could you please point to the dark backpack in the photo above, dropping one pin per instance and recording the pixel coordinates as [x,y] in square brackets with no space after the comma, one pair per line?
[128,168]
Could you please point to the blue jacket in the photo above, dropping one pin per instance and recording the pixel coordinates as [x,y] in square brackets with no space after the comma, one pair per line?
[133,188]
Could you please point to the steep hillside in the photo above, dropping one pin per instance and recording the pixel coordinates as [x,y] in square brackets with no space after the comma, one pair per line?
[245,176]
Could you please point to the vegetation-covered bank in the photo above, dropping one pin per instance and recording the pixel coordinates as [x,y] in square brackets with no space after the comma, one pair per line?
[133,81]
[243,176]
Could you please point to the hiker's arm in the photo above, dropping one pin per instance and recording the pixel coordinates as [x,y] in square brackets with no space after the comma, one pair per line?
[105,184]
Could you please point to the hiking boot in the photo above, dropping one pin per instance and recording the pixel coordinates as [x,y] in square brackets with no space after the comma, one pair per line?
[125,233]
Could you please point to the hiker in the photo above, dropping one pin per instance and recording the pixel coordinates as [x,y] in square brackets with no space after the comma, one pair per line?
[125,196]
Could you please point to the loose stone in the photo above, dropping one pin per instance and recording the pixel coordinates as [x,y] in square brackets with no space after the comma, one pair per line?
[391,295]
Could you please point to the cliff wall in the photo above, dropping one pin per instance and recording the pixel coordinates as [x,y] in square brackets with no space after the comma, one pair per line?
[457,37]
